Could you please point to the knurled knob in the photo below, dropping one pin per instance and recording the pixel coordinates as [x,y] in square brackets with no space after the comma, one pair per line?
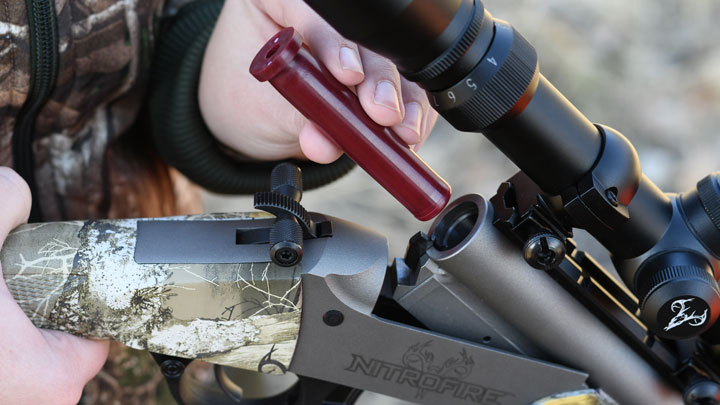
[679,297]
[709,193]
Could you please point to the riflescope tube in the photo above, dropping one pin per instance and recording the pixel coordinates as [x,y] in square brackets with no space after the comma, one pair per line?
[485,78]
[302,80]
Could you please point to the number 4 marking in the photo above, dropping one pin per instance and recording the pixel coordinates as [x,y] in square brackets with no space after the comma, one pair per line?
[492,60]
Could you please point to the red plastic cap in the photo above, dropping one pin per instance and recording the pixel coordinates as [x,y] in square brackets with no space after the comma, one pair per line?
[276,54]
[336,110]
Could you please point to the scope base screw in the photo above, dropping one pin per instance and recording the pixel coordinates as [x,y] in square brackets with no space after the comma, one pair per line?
[544,251]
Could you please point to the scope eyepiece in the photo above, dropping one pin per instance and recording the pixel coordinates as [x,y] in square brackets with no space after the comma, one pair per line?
[422,37]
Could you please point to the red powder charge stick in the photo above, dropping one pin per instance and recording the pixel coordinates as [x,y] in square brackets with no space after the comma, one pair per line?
[303,81]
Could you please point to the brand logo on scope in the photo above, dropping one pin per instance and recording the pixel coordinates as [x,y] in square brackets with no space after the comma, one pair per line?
[419,369]
[686,314]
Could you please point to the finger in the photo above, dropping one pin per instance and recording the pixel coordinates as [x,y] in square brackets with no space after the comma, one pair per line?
[428,125]
[340,56]
[411,129]
[316,146]
[380,92]
[16,200]
[82,358]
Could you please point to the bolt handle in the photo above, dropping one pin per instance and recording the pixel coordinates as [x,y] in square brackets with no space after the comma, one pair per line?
[286,241]
[292,220]
[286,178]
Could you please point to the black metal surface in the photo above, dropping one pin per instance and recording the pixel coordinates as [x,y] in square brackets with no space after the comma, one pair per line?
[702,392]
[280,204]
[679,298]
[461,57]
[599,201]
[649,216]
[199,241]
[411,33]
[589,283]
[701,208]
[172,368]
[496,84]
[523,211]
[578,273]
[544,251]
[550,140]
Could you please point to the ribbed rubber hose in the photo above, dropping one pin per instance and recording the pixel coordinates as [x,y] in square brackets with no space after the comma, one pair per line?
[178,130]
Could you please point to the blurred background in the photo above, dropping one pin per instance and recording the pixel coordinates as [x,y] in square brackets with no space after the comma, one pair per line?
[648,68]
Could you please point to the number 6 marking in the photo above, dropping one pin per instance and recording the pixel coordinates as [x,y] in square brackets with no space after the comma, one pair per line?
[451,96]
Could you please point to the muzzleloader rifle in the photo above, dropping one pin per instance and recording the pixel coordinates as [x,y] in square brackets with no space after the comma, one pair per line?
[495,304]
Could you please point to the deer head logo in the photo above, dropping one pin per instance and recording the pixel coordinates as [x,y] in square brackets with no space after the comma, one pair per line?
[679,307]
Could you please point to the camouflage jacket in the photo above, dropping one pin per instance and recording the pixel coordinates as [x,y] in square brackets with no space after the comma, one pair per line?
[89,161]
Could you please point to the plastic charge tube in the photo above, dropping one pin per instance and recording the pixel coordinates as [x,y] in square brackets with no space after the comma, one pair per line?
[336,110]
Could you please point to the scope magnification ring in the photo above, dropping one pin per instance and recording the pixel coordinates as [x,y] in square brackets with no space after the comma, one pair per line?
[494,86]
[480,19]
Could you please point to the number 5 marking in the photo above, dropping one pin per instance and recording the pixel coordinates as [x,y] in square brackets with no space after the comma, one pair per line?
[470,84]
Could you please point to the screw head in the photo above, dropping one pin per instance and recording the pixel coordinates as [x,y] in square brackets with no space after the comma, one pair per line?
[611,195]
[333,317]
[702,392]
[544,251]
[286,253]
[172,368]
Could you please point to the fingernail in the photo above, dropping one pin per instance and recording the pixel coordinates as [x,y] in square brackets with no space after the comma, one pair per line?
[385,95]
[350,60]
[413,118]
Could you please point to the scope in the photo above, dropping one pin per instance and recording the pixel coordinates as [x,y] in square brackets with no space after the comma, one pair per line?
[481,75]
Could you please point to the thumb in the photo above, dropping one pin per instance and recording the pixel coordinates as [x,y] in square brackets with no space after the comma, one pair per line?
[15,200]
[64,362]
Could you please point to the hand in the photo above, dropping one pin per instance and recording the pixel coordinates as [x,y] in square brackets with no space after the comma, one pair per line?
[252,118]
[37,365]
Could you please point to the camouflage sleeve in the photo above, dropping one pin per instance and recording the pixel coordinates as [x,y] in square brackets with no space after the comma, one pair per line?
[81,277]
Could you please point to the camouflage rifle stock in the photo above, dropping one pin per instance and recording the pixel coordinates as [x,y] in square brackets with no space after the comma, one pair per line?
[82,277]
